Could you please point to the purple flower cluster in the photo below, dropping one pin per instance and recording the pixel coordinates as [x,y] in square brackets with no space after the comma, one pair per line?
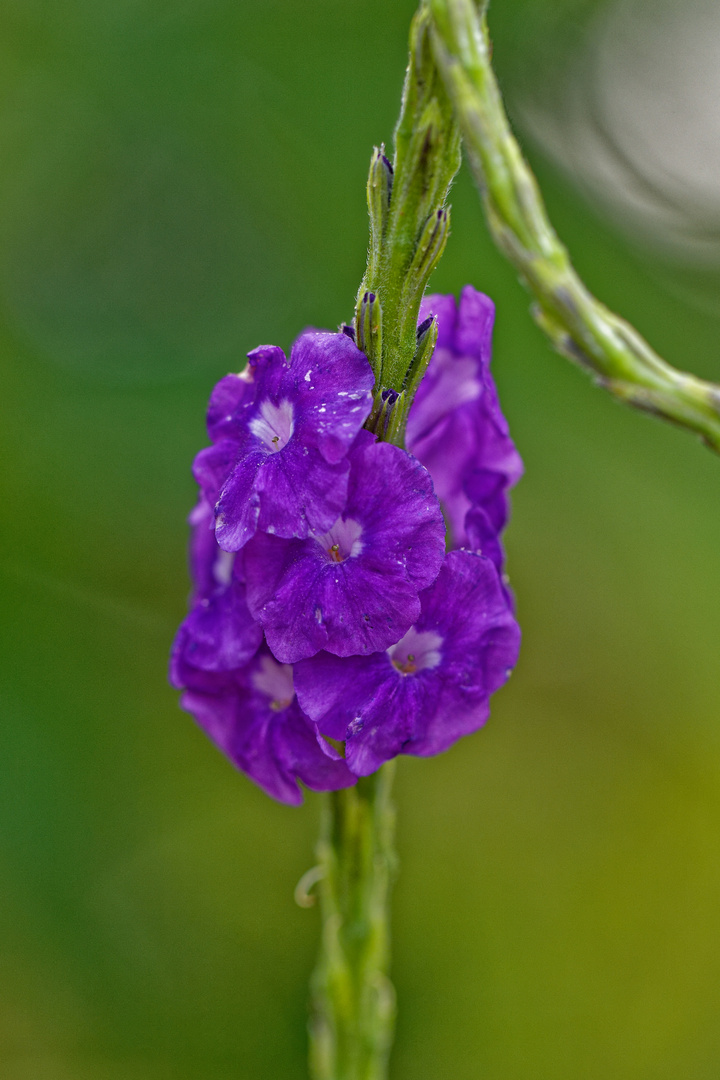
[330,630]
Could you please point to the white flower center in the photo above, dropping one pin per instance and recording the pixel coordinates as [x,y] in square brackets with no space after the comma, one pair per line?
[342,541]
[416,651]
[274,424]
[223,567]
[275,681]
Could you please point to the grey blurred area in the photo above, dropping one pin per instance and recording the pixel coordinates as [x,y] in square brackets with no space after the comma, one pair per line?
[634,120]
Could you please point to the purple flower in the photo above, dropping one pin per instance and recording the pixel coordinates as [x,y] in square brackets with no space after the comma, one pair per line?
[352,587]
[483,538]
[456,428]
[432,686]
[280,433]
[253,717]
[241,697]
[317,546]
[206,561]
[219,633]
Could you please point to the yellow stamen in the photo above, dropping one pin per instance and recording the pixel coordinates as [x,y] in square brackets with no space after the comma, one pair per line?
[278,705]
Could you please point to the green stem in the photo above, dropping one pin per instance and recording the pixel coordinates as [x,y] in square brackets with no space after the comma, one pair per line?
[353,1001]
[578,325]
[409,225]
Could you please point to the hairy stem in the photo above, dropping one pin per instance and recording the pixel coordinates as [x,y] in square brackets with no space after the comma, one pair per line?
[578,325]
[409,227]
[353,1001]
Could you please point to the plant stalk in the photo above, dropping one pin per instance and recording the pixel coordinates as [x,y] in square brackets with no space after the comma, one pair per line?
[409,223]
[353,1000]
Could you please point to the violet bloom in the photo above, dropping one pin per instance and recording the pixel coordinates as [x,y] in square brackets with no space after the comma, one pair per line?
[219,633]
[456,427]
[253,717]
[280,435]
[353,587]
[432,686]
[482,537]
[241,697]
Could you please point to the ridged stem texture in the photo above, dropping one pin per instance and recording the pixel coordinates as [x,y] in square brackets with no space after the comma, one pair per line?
[353,1000]
[578,325]
[409,227]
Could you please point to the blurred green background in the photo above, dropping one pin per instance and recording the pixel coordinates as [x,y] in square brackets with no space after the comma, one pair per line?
[181,180]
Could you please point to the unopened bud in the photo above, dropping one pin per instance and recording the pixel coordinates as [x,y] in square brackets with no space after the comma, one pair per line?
[426,341]
[427,255]
[424,327]
[379,193]
[368,330]
[387,419]
[379,189]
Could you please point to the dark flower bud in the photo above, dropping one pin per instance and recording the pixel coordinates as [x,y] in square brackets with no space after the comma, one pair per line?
[368,326]
[423,327]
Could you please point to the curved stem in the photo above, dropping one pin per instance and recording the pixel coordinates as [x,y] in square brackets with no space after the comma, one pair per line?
[578,325]
[353,1000]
